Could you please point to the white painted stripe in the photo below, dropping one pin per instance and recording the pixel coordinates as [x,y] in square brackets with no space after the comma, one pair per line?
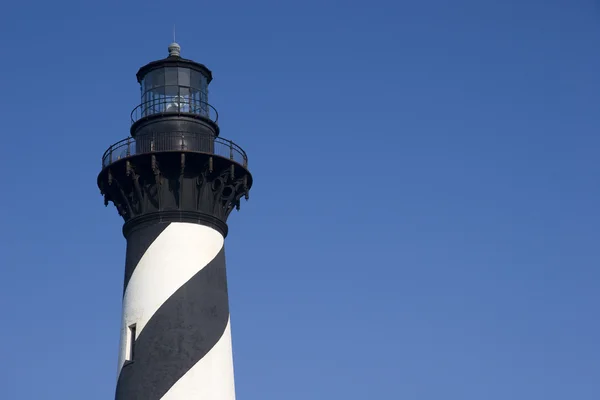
[211,377]
[177,254]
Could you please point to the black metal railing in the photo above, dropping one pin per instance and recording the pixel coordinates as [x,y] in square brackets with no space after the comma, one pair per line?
[175,141]
[175,105]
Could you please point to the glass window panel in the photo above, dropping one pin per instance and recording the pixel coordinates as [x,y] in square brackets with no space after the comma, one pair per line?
[172,98]
[147,81]
[184,77]
[184,93]
[152,102]
[156,105]
[184,99]
[171,76]
[205,106]
[171,90]
[145,104]
[203,98]
[155,96]
[162,102]
[194,100]
[172,105]
[158,91]
[161,73]
[195,79]
[158,77]
[148,103]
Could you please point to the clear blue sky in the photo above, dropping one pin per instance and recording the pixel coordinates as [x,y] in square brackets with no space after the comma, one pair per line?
[424,220]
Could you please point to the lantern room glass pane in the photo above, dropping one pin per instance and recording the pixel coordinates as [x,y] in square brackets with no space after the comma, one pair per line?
[157,78]
[147,81]
[194,100]
[184,77]
[198,81]
[171,90]
[184,99]
[170,76]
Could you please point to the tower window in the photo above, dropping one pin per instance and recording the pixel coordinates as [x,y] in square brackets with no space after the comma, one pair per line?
[130,350]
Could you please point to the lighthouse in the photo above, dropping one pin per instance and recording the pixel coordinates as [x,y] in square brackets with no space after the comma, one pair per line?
[174,181]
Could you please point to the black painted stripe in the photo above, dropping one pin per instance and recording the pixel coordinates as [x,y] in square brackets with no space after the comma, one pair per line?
[138,241]
[183,330]
[165,216]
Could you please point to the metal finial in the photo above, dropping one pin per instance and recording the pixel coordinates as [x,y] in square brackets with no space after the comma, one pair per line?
[174,49]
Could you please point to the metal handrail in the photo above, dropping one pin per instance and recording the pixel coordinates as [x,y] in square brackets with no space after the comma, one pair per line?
[175,141]
[181,105]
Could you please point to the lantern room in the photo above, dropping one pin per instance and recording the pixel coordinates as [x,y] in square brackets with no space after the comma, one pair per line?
[174,85]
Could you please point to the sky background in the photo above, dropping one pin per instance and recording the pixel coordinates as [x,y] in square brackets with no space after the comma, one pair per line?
[424,219]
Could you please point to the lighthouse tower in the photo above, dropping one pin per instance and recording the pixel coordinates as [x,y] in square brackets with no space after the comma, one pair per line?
[175,181]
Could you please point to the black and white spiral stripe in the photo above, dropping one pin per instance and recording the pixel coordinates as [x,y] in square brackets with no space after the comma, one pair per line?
[176,295]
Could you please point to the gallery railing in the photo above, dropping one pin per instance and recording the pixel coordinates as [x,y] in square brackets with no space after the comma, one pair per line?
[175,141]
[174,105]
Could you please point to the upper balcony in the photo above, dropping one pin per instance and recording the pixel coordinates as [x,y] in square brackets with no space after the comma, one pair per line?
[180,141]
